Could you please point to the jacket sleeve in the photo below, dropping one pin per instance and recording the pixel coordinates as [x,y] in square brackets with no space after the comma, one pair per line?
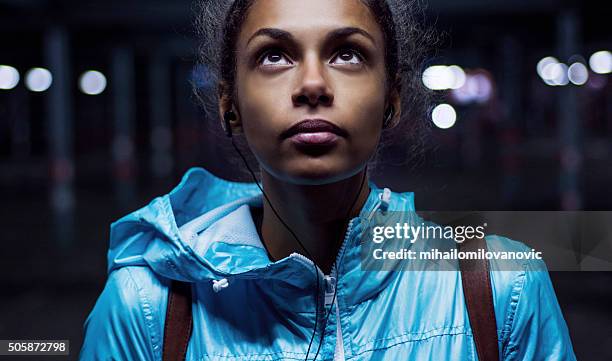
[123,324]
[538,330]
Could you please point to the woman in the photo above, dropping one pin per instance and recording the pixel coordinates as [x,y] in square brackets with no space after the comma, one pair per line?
[311,86]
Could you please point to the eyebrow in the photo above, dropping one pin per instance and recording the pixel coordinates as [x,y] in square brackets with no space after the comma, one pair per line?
[335,34]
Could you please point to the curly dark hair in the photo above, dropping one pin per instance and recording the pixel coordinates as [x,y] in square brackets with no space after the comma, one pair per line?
[407,42]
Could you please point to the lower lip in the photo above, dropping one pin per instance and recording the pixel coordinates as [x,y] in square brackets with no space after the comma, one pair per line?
[318,138]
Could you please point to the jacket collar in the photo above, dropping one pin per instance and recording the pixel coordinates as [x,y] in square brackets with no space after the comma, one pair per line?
[203,230]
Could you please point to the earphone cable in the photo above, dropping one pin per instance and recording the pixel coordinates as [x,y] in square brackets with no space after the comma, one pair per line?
[307,252]
[340,262]
[296,238]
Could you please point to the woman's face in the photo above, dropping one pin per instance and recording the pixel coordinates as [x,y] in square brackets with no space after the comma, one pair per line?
[318,60]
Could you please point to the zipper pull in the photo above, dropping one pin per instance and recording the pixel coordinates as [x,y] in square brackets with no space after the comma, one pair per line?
[385,199]
[329,289]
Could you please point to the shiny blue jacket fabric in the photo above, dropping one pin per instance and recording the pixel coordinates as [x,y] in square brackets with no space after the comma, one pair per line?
[203,232]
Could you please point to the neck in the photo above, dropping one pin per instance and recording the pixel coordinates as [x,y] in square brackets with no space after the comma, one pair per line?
[317,214]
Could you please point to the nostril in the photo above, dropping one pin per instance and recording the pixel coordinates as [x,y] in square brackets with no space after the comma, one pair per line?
[324,99]
[302,99]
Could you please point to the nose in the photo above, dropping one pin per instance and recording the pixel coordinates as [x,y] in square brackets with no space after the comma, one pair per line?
[313,87]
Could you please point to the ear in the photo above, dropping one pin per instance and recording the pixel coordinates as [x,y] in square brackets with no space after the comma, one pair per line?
[226,104]
[395,100]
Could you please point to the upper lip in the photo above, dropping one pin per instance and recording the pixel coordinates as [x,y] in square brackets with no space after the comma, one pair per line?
[313,126]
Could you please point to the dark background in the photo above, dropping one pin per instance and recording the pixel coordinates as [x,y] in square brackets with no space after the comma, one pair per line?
[71,163]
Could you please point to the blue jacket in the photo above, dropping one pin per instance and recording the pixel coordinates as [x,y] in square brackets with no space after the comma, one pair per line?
[248,308]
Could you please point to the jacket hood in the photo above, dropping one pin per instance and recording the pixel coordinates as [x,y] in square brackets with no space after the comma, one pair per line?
[203,230]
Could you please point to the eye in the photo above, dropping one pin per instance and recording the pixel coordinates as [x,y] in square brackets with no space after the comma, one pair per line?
[273,58]
[348,56]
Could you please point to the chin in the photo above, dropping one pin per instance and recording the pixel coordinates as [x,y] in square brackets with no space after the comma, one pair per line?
[316,172]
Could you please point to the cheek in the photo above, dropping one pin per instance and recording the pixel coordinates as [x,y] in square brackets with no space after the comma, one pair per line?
[260,110]
[364,105]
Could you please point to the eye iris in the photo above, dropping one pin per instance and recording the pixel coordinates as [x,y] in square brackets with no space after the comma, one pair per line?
[274,58]
[346,56]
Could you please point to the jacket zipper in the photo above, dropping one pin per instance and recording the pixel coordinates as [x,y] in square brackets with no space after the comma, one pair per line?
[329,281]
[339,350]
[309,263]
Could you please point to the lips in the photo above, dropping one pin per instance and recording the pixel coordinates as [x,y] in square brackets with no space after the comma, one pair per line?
[314,135]
[313,126]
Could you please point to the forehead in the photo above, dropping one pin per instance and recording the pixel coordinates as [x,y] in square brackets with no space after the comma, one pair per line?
[309,17]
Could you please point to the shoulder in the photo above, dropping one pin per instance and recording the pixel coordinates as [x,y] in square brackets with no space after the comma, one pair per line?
[137,287]
[528,315]
[514,265]
[128,316]
[507,279]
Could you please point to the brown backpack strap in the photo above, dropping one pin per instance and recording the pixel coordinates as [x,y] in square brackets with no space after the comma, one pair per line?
[476,282]
[179,321]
